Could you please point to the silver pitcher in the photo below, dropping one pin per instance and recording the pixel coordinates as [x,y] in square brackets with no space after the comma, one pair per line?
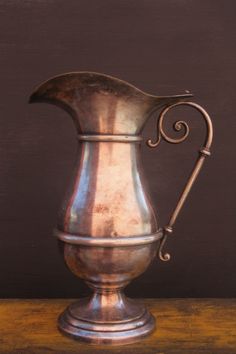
[107,224]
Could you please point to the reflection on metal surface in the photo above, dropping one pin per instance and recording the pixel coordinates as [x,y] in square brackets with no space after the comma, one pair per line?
[107,224]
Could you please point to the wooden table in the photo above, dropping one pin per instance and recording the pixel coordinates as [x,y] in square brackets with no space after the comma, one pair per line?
[185,326]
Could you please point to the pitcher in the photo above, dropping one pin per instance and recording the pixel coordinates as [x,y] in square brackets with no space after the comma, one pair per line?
[107,224]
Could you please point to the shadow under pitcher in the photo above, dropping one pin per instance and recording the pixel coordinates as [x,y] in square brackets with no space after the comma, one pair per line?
[107,224]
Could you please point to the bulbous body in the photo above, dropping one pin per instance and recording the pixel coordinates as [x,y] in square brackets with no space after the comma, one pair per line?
[109,197]
[109,200]
[107,223]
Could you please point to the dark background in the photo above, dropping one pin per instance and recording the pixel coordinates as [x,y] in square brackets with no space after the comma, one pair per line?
[162,47]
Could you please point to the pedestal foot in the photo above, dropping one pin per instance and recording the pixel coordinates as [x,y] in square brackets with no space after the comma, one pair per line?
[108,318]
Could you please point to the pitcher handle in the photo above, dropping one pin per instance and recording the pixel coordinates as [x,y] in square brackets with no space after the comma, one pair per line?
[203,153]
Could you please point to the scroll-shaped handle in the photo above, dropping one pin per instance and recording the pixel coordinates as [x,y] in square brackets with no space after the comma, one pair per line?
[204,152]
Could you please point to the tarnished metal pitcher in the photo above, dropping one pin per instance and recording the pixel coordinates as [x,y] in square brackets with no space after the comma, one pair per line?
[107,224]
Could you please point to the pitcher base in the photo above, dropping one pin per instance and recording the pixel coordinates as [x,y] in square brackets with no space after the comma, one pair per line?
[104,331]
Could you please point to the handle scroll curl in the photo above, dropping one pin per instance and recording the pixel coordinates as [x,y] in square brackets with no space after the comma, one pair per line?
[203,153]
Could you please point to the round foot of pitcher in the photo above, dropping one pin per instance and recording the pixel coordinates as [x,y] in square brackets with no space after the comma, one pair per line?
[136,323]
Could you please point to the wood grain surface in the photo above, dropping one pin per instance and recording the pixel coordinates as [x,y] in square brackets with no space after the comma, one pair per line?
[184,326]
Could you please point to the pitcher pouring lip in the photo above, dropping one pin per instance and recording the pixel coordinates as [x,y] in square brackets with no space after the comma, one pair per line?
[102,104]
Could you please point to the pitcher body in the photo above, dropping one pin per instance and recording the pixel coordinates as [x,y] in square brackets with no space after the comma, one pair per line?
[107,225]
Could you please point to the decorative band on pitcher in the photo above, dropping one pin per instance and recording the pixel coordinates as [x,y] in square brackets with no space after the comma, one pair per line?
[110,138]
[108,241]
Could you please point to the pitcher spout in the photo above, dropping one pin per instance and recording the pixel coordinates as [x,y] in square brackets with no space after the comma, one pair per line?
[102,104]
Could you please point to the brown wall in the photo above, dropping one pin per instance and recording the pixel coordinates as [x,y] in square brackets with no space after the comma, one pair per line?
[161,46]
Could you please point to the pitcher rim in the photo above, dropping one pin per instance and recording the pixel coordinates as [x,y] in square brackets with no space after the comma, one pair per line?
[125,83]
